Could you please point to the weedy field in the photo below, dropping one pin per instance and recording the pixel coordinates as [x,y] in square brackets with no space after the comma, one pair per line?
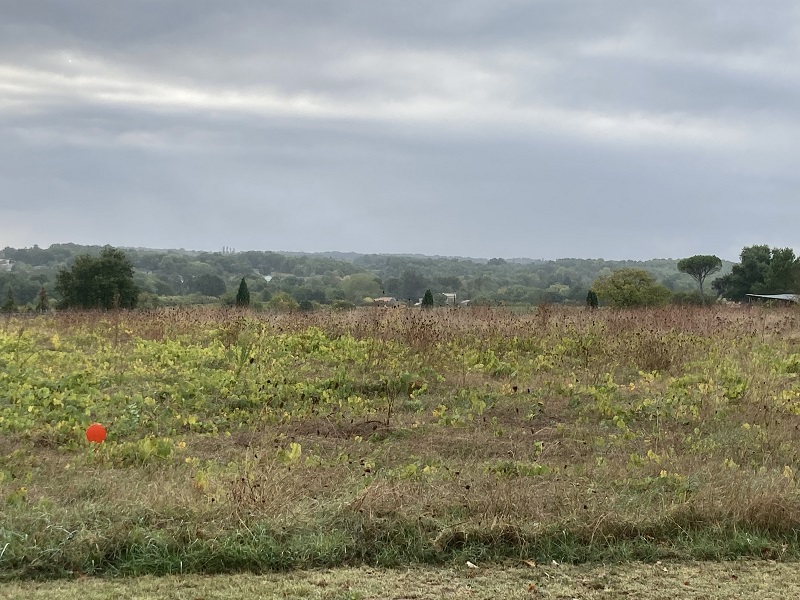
[385,437]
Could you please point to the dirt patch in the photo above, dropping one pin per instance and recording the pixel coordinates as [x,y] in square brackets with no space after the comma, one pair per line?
[660,581]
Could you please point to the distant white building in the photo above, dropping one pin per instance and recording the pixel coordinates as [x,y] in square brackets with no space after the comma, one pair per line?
[449,299]
[5,264]
[779,297]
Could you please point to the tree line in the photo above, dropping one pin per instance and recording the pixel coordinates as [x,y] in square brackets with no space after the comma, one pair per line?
[761,270]
[107,277]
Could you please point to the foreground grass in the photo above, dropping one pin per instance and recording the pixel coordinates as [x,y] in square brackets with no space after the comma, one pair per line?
[396,438]
[711,581]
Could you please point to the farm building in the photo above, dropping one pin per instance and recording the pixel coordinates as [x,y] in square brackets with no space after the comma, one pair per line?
[795,298]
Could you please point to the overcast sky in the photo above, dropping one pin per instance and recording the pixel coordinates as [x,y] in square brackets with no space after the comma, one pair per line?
[538,128]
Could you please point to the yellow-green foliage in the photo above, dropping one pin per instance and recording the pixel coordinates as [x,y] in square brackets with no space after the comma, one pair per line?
[57,383]
[176,373]
[392,435]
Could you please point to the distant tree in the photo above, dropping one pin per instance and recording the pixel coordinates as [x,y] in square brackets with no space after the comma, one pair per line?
[104,281]
[699,267]
[497,262]
[359,285]
[629,288]
[591,299]
[342,305]
[782,275]
[449,283]
[313,291]
[760,271]
[687,298]
[10,304]
[42,301]
[148,300]
[282,302]
[243,295]
[412,284]
[210,285]
[392,286]
[427,299]
[24,283]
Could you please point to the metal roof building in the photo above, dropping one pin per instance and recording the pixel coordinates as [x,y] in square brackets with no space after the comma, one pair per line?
[783,297]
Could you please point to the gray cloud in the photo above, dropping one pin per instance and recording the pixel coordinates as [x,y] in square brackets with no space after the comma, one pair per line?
[554,128]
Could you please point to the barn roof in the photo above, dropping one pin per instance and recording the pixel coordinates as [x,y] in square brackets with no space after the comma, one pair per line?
[785,297]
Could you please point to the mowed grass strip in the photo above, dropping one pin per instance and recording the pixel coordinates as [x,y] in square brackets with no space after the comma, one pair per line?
[662,581]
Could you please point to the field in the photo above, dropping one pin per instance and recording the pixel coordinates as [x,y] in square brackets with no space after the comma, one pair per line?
[241,442]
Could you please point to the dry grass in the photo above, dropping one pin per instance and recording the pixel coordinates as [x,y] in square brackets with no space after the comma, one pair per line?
[662,581]
[597,435]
